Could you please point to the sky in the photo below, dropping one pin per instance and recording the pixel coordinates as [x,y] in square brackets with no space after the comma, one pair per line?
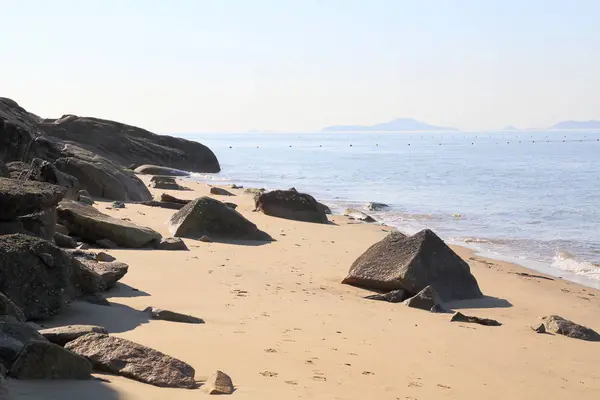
[183,66]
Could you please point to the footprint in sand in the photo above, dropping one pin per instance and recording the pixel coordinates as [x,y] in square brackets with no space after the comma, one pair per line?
[269,374]
[270,351]
[368,373]
[291,382]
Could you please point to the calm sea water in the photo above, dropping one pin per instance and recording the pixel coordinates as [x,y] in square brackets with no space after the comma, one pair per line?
[530,197]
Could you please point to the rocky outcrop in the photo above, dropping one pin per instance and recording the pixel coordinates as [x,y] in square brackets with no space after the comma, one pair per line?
[165,197]
[85,280]
[460,317]
[207,216]
[35,275]
[7,307]
[290,204]
[62,335]
[161,171]
[358,215]
[91,225]
[561,326]
[43,360]
[413,263]
[19,198]
[123,357]
[219,383]
[166,315]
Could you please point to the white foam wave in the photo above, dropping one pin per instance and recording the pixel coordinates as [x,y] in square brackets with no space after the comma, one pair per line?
[564,260]
[208,177]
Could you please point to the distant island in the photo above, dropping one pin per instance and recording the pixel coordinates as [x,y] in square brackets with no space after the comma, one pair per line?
[396,125]
[510,128]
[577,125]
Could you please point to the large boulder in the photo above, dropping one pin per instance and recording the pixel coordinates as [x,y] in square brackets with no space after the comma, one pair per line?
[290,204]
[207,216]
[36,275]
[158,170]
[62,335]
[14,335]
[561,326]
[91,225]
[18,198]
[132,360]
[412,263]
[44,360]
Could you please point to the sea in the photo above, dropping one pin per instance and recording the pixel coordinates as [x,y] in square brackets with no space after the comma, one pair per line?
[528,197]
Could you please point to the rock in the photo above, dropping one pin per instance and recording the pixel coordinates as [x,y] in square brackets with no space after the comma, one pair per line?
[255,191]
[324,208]
[427,299]
[106,244]
[95,298]
[166,315]
[219,383]
[118,204]
[19,198]
[157,170]
[207,216]
[460,317]
[123,357]
[91,225]
[291,205]
[110,272]
[162,204]
[395,296]
[165,197]
[86,200]
[165,182]
[7,307]
[561,326]
[539,328]
[172,243]
[83,192]
[4,173]
[102,256]
[358,215]
[35,275]
[234,186]
[85,280]
[61,229]
[206,239]
[14,336]
[39,224]
[62,335]
[230,205]
[373,206]
[43,360]
[44,171]
[220,191]
[64,241]
[412,263]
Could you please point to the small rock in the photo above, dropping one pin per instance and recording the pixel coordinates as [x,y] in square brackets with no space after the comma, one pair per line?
[62,335]
[395,296]
[64,241]
[231,205]
[166,315]
[460,317]
[172,243]
[118,204]
[43,360]
[206,239]
[427,299]
[95,298]
[220,191]
[540,328]
[219,383]
[561,326]
[107,244]
[105,257]
[234,186]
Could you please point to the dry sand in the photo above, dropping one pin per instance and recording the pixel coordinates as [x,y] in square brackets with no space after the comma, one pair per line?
[279,322]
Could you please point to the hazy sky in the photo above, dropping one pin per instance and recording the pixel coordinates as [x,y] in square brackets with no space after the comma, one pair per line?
[300,65]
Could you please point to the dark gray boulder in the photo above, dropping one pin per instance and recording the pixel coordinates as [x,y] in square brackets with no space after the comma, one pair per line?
[158,170]
[166,315]
[91,225]
[41,224]
[290,204]
[18,198]
[413,263]
[207,216]
[172,243]
[14,335]
[87,281]
[44,360]
[7,307]
[62,335]
[358,215]
[132,360]
[427,299]
[561,326]
[36,275]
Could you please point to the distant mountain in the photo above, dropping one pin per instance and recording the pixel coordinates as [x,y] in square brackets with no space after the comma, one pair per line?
[510,128]
[577,125]
[397,125]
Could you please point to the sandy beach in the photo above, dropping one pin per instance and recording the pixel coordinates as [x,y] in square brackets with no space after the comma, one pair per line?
[281,324]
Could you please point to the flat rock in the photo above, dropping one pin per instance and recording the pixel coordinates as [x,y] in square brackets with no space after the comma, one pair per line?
[158,170]
[110,272]
[62,335]
[165,197]
[561,326]
[123,357]
[395,296]
[14,335]
[220,191]
[18,198]
[172,243]
[460,317]
[91,225]
[43,360]
[85,280]
[7,307]
[207,216]
[64,241]
[413,263]
[427,299]
[166,315]
[358,215]
[219,383]
[292,205]
[230,205]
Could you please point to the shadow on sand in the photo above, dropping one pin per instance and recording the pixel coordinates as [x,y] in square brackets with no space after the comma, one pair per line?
[123,290]
[484,302]
[61,389]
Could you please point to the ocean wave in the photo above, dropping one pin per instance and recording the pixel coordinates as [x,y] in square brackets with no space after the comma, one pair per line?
[565,261]
[208,177]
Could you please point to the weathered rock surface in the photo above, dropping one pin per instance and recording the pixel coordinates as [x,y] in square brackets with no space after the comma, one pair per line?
[166,315]
[7,307]
[220,191]
[165,182]
[207,216]
[460,317]
[373,206]
[64,241]
[427,299]
[102,256]
[561,326]
[91,225]
[158,170]
[43,360]
[165,197]
[219,383]
[132,360]
[106,244]
[172,243]
[110,272]
[412,263]
[40,224]
[290,204]
[35,275]
[395,296]
[62,335]
[14,335]
[358,215]
[18,198]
